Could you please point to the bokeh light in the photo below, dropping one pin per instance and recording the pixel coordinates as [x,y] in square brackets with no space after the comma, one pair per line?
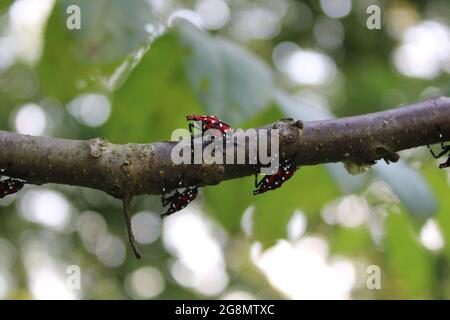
[185,14]
[146,227]
[329,33]
[46,207]
[91,109]
[200,262]
[336,8]
[304,270]
[282,53]
[238,295]
[145,283]
[296,226]
[311,67]
[91,227]
[46,275]
[31,119]
[215,13]
[254,23]
[350,211]
[431,236]
[424,51]
[27,19]
[247,221]
[111,251]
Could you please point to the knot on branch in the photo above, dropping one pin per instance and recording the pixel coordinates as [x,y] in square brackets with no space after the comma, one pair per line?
[289,133]
[289,130]
[97,146]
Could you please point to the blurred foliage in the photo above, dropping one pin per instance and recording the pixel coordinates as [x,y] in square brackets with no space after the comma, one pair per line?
[402,247]
[75,58]
[411,189]
[227,79]
[5,4]
[186,70]
[145,93]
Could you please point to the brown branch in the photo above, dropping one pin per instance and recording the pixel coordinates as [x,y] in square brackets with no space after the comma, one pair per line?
[124,171]
[135,169]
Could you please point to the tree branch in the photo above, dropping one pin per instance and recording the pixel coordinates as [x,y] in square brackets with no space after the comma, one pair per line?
[134,169]
[124,171]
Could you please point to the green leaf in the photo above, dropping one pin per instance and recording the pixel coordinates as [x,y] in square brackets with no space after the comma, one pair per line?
[351,241]
[110,29]
[411,265]
[155,98]
[76,60]
[228,80]
[5,4]
[166,85]
[411,188]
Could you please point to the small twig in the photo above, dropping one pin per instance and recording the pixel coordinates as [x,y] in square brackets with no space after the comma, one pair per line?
[126,200]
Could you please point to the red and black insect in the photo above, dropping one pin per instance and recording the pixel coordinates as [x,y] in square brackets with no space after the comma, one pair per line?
[10,185]
[270,182]
[208,122]
[445,150]
[179,200]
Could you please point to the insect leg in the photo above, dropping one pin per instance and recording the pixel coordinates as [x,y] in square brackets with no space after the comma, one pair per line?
[4,169]
[191,129]
[445,164]
[445,148]
[437,156]
[256,192]
[165,200]
[168,213]
[258,183]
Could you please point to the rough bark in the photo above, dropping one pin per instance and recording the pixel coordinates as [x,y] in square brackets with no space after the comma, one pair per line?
[135,169]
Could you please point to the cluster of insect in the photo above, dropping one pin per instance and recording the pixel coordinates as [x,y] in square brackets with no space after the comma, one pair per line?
[180,199]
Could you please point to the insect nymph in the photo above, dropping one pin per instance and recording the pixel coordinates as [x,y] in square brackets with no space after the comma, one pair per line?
[270,182]
[10,185]
[208,123]
[179,200]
